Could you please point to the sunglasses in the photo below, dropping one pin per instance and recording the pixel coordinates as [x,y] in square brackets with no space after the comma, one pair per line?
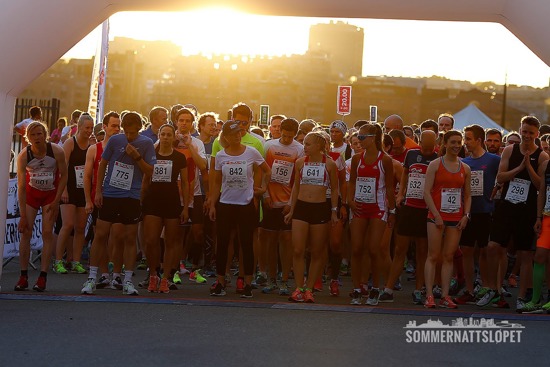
[363,137]
[240,122]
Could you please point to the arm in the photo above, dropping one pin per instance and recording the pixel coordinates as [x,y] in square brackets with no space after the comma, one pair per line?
[352,182]
[430,177]
[100,178]
[541,198]
[402,186]
[88,177]
[333,172]
[215,190]
[21,189]
[185,194]
[67,150]
[503,174]
[533,175]
[198,155]
[295,189]
[62,169]
[145,167]
[387,163]
[467,198]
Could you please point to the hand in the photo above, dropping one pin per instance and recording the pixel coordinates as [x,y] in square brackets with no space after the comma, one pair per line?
[286,209]
[65,197]
[131,151]
[206,206]
[23,225]
[439,221]
[52,210]
[353,207]
[288,217]
[334,217]
[526,160]
[184,216]
[399,200]
[98,199]
[391,220]
[462,223]
[538,227]
[259,191]
[268,202]
[212,213]
[89,208]
[343,214]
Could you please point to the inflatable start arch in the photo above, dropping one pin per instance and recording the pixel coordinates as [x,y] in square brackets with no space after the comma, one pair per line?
[36,33]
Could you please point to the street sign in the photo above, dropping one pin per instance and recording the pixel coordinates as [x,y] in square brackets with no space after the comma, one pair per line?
[373,113]
[264,114]
[343,106]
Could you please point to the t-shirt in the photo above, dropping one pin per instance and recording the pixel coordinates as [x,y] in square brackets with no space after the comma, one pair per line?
[417,165]
[192,169]
[410,144]
[341,150]
[259,137]
[237,175]
[484,173]
[247,139]
[123,177]
[150,134]
[400,157]
[281,158]
[164,182]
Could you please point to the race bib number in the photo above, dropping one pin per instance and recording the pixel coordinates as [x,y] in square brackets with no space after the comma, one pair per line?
[518,190]
[415,186]
[451,200]
[42,181]
[313,173]
[281,172]
[162,171]
[476,183]
[122,176]
[79,173]
[365,190]
[235,175]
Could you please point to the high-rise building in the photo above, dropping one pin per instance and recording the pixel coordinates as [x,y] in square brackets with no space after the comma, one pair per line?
[342,43]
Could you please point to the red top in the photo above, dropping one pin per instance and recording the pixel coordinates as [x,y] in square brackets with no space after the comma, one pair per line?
[448,192]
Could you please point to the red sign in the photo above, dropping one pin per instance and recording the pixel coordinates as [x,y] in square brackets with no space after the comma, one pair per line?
[343,106]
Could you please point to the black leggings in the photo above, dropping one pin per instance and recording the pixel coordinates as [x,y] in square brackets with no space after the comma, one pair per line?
[241,218]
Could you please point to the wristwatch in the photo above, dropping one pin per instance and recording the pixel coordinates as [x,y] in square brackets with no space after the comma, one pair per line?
[335,209]
[468,215]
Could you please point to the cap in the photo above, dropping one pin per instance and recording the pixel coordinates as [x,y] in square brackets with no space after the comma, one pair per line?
[231,127]
[340,125]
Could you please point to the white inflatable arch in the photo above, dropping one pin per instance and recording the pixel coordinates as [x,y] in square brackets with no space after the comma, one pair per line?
[36,33]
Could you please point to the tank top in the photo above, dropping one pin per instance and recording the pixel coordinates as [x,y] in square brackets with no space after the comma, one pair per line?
[42,173]
[75,173]
[314,173]
[447,192]
[370,187]
[521,190]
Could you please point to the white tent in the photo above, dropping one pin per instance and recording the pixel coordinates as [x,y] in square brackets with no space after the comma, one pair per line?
[473,115]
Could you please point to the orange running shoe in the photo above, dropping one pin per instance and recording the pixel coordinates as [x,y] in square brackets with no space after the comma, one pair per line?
[318,286]
[308,296]
[164,287]
[430,302]
[153,284]
[334,288]
[296,296]
[447,302]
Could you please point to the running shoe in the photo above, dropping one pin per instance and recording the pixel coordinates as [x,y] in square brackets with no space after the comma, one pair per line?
[270,287]
[477,287]
[308,296]
[195,276]
[40,285]
[116,283]
[501,303]
[89,287]
[385,297]
[344,269]
[411,277]
[59,268]
[260,280]
[164,286]
[318,286]
[513,281]
[153,286]
[172,286]
[530,307]
[145,282]
[103,282]
[546,307]
[22,284]
[142,265]
[490,297]
[283,289]
[228,280]
[417,297]
[240,285]
[176,279]
[481,292]
[505,292]
[436,290]
[520,302]
[447,302]
[466,299]
[297,296]
[373,297]
[356,298]
[247,293]
[430,302]
[334,288]
[410,268]
[78,268]
[129,289]
[183,269]
[397,286]
[365,290]
[218,290]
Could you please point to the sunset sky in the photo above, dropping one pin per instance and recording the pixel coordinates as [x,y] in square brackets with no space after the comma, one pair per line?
[456,50]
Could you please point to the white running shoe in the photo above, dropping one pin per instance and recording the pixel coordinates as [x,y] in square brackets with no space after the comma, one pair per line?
[129,289]
[89,287]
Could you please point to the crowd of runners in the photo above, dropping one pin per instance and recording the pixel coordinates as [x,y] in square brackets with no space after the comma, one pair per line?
[465,214]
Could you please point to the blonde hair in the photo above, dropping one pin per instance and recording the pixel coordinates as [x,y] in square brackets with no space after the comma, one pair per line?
[34,125]
[320,139]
